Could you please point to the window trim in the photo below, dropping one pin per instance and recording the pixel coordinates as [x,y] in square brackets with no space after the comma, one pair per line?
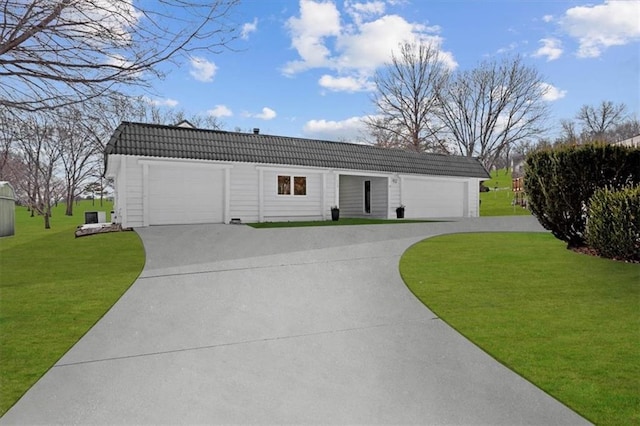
[292,186]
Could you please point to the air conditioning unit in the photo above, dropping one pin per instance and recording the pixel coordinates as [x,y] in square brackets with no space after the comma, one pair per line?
[95,217]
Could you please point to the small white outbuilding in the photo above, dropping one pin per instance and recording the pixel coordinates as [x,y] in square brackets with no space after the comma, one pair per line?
[7,210]
[179,175]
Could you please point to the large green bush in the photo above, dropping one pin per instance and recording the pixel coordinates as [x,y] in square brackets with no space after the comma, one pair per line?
[613,229]
[560,182]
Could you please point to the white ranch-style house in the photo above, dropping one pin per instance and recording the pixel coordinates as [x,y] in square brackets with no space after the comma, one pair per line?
[182,175]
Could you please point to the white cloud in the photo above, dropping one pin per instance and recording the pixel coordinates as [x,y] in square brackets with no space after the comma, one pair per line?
[360,11]
[101,20]
[266,114]
[202,69]
[354,49]
[346,84]
[551,49]
[316,21]
[119,61]
[371,45]
[613,23]
[248,28]
[350,129]
[552,93]
[220,111]
[512,46]
[547,18]
[168,102]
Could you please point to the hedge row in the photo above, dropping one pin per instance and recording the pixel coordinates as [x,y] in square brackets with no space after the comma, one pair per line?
[560,182]
[613,229]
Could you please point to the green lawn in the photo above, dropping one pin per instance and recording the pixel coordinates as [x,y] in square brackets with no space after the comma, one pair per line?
[343,221]
[499,200]
[53,288]
[567,322]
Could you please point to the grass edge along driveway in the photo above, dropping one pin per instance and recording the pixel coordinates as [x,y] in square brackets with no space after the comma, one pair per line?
[565,321]
[53,289]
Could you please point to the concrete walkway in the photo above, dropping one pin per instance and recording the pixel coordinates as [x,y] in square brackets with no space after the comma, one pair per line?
[229,324]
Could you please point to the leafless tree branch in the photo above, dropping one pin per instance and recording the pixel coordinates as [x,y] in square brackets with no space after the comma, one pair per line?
[406,98]
[488,109]
[597,121]
[60,52]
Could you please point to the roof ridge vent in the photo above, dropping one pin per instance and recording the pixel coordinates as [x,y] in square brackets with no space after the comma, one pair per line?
[256,131]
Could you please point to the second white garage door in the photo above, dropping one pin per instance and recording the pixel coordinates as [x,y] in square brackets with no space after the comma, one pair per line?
[181,194]
[434,198]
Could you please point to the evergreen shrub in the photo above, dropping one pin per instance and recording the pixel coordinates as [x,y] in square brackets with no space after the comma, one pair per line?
[560,182]
[613,229]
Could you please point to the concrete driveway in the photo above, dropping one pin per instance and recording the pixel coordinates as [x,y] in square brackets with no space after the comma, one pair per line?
[229,324]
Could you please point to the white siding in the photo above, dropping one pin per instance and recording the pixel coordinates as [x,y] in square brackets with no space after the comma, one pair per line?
[474,197]
[251,194]
[244,192]
[331,194]
[292,207]
[132,185]
[394,195]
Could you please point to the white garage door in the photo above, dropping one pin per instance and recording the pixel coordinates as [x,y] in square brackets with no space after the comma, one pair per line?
[433,198]
[185,194]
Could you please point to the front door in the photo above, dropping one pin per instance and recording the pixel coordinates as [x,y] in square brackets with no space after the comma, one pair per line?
[367,196]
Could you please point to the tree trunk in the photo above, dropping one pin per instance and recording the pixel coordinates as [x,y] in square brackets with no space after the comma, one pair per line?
[69,210]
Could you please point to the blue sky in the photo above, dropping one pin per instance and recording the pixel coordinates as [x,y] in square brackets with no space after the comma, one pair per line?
[303,67]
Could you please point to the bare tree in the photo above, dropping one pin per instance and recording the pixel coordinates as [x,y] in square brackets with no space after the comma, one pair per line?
[569,133]
[205,121]
[80,154]
[489,108]
[596,121]
[144,111]
[7,139]
[625,130]
[406,98]
[41,155]
[59,52]
[378,133]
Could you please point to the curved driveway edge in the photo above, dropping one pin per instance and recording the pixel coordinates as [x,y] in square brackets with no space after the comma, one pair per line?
[230,324]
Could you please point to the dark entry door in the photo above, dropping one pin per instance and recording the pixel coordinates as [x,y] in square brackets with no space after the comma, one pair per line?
[367,196]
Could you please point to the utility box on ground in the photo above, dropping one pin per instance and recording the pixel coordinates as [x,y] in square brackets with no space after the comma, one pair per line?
[95,217]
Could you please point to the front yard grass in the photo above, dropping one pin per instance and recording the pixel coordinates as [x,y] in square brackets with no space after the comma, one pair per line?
[499,200]
[565,321]
[53,289]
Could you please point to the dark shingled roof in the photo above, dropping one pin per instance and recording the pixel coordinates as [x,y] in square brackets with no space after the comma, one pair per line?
[179,142]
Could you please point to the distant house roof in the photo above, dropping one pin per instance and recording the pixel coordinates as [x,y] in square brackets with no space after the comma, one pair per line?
[178,142]
[631,142]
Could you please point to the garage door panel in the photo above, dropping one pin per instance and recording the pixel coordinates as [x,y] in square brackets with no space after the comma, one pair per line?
[184,195]
[433,198]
